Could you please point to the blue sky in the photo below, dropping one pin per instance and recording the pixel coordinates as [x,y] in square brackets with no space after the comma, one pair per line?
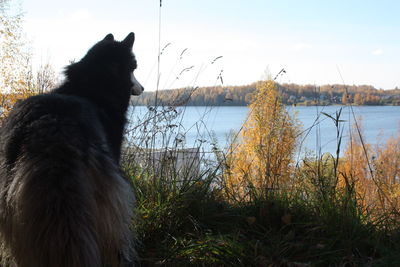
[312,40]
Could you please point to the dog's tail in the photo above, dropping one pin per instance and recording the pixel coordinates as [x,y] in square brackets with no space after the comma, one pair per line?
[54,221]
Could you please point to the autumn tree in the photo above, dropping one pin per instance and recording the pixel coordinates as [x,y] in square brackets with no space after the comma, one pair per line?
[358,99]
[372,173]
[16,79]
[46,78]
[260,162]
[355,176]
[386,165]
[346,99]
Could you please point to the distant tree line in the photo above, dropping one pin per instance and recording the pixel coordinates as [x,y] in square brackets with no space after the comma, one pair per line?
[290,94]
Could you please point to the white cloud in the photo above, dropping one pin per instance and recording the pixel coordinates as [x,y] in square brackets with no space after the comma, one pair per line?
[377,52]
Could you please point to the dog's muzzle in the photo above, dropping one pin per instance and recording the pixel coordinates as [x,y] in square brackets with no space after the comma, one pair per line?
[137,88]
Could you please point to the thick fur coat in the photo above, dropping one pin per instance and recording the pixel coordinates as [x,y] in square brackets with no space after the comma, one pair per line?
[63,199]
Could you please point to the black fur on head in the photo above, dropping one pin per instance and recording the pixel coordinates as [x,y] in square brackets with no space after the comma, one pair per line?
[108,65]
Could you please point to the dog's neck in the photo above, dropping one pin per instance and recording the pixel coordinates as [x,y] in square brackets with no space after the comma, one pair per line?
[112,110]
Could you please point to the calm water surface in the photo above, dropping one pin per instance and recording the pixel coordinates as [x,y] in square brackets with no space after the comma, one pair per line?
[199,123]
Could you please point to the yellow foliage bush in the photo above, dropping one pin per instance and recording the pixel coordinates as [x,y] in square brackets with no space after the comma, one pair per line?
[373,173]
[260,160]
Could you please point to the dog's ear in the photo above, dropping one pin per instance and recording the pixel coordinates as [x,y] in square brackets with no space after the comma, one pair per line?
[129,40]
[109,37]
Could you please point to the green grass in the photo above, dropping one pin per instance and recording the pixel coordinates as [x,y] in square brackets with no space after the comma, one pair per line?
[191,224]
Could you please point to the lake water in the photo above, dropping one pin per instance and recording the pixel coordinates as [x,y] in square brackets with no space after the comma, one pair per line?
[199,123]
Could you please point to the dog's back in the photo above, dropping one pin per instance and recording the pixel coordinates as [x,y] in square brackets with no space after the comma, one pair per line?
[63,200]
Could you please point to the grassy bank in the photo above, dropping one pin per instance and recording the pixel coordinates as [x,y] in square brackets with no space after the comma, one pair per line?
[253,205]
[191,222]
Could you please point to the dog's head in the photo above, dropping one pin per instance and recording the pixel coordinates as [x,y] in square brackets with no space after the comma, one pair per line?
[128,63]
[112,62]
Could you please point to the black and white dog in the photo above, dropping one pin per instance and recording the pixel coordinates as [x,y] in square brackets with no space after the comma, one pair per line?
[63,199]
